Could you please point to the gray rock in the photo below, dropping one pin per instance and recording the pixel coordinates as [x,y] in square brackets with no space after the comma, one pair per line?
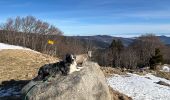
[87,84]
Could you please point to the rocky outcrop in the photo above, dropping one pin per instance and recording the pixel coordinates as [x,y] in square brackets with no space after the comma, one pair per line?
[87,84]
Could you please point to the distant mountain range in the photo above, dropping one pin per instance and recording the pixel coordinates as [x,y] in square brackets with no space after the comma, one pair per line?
[104,41]
[165,39]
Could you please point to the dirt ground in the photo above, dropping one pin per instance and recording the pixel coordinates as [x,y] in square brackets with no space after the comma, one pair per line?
[21,64]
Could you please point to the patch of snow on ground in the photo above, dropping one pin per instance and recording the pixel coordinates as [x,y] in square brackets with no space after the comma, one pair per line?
[140,87]
[165,69]
[8,46]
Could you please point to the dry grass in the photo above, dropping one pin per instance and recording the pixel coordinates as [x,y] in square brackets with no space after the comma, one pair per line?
[109,71]
[144,72]
[21,64]
[161,74]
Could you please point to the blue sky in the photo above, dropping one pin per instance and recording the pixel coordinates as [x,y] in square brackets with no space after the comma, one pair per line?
[91,17]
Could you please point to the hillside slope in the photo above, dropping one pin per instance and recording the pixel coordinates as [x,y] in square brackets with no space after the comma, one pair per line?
[21,64]
[103,41]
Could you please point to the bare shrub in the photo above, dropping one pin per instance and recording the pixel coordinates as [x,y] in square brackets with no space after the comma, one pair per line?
[29,24]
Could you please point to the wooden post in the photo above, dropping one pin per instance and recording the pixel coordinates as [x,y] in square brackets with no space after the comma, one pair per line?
[89,54]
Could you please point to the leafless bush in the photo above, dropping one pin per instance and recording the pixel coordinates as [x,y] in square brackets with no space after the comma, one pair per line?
[166,54]
[145,46]
[29,24]
[129,58]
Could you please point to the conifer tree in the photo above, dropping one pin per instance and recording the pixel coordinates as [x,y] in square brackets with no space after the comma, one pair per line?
[115,49]
[156,59]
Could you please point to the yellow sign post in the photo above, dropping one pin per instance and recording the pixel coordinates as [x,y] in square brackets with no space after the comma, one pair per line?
[51,42]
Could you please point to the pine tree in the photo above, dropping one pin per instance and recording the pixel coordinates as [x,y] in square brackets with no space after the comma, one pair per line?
[156,59]
[116,45]
[115,49]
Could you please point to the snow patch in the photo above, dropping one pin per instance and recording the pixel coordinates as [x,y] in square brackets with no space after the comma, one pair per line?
[8,46]
[140,87]
[165,69]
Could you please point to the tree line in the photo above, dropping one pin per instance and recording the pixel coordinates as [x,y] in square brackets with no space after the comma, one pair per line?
[145,51]
[38,42]
[34,34]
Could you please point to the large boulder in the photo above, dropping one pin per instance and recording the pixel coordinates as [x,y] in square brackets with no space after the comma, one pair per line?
[87,84]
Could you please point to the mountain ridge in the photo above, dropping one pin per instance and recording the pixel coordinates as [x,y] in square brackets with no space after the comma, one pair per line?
[103,41]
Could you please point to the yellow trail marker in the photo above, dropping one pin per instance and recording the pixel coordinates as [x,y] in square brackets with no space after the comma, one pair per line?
[50,42]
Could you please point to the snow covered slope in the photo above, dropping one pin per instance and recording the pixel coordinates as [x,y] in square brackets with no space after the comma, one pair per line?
[140,87]
[4,46]
[7,46]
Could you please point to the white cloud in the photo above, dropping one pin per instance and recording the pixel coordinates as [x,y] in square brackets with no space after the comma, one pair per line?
[148,14]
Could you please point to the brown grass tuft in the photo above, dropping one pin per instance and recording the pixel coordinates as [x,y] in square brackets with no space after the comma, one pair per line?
[161,74]
[109,71]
